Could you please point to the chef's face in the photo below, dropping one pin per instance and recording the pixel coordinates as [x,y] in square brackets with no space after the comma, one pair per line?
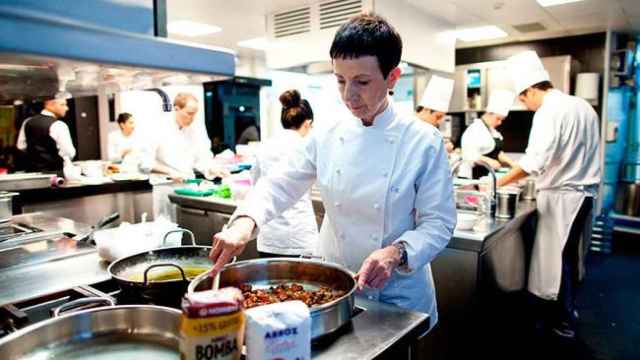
[128,126]
[57,106]
[430,116]
[494,120]
[185,115]
[531,99]
[362,87]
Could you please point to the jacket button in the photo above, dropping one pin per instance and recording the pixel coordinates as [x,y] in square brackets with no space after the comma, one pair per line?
[374,238]
[376,206]
[338,171]
[385,175]
[337,204]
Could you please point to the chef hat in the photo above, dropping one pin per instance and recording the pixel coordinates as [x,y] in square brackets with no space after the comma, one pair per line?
[438,93]
[526,69]
[500,102]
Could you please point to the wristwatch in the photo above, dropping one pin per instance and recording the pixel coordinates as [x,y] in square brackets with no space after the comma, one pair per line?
[403,253]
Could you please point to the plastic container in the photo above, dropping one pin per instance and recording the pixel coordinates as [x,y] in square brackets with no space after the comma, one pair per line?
[129,239]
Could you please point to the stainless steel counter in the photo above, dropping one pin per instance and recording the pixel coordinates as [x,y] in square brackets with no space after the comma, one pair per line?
[477,240]
[48,261]
[379,329]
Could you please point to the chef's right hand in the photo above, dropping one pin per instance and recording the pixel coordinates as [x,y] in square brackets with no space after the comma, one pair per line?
[230,242]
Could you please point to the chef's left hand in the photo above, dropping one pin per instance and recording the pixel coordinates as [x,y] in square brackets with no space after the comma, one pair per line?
[377,268]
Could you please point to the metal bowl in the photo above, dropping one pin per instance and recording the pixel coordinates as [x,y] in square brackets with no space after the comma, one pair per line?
[312,274]
[125,332]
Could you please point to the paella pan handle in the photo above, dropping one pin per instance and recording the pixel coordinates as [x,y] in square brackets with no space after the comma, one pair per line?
[312,257]
[146,272]
[187,231]
[79,302]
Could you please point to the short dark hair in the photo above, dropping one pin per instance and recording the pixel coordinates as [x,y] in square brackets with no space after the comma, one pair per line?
[543,85]
[368,35]
[123,117]
[295,110]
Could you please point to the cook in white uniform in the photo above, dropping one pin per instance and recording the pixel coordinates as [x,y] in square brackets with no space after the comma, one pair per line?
[563,153]
[177,148]
[434,104]
[481,140]
[123,143]
[295,232]
[383,178]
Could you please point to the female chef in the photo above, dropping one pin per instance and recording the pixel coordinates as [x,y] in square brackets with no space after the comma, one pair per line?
[383,178]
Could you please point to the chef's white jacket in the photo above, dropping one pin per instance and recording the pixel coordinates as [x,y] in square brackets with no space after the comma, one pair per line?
[479,139]
[117,143]
[379,184]
[295,232]
[563,143]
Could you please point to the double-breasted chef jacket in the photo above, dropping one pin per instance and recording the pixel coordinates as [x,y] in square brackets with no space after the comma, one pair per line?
[380,184]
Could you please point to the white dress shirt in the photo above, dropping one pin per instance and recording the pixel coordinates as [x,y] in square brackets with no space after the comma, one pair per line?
[563,127]
[182,150]
[59,132]
[118,143]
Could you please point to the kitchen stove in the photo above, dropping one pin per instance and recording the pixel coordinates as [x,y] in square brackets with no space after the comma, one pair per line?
[10,230]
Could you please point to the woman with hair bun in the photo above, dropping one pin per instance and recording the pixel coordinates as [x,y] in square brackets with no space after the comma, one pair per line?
[295,232]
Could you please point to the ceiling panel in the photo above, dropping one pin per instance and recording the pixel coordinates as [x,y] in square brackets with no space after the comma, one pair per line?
[449,12]
[509,12]
[583,8]
[585,21]
[631,7]
[635,23]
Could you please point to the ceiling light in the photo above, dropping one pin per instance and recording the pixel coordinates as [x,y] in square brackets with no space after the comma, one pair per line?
[480,33]
[261,43]
[191,28]
[547,3]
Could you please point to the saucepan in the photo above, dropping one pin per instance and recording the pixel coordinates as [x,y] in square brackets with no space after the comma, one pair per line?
[161,275]
[311,274]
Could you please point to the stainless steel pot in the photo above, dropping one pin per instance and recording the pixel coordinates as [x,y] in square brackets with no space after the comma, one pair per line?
[506,204]
[263,273]
[6,205]
[529,191]
[628,199]
[121,332]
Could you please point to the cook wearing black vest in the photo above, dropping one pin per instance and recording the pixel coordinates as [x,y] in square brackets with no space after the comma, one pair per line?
[46,139]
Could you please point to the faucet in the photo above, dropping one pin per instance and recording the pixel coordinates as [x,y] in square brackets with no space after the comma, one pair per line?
[494,193]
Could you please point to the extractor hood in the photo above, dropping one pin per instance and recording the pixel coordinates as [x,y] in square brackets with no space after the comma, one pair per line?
[41,53]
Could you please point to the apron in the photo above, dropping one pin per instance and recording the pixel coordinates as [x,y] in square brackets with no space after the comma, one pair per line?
[557,210]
